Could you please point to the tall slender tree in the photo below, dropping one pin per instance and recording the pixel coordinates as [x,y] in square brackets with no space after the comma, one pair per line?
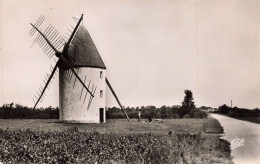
[187,104]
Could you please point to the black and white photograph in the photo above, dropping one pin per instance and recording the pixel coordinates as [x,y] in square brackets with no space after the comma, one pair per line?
[130,81]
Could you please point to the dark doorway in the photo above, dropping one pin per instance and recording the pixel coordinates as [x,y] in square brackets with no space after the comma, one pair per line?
[101,115]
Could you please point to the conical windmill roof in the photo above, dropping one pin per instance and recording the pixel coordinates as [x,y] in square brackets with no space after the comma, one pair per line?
[83,50]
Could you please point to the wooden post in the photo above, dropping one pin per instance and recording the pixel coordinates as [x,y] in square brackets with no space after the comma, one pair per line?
[110,87]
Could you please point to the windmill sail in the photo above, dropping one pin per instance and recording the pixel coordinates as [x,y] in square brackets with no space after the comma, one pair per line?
[46,85]
[48,38]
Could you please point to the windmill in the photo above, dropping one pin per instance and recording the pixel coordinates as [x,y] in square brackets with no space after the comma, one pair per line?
[82,79]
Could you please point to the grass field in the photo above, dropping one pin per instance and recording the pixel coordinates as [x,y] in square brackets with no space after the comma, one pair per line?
[111,126]
[117,141]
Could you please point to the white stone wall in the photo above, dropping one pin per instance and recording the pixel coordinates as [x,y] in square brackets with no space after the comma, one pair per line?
[72,106]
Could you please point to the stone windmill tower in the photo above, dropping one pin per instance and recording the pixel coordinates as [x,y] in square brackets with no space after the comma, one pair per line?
[82,73]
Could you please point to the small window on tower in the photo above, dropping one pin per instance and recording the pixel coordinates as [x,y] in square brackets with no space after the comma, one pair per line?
[101,94]
[101,74]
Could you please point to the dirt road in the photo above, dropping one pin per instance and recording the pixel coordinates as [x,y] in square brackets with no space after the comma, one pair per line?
[244,138]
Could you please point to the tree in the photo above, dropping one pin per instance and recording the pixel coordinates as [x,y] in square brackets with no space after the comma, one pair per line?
[224,109]
[187,104]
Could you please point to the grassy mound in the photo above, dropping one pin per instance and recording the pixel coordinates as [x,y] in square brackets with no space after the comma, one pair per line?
[212,125]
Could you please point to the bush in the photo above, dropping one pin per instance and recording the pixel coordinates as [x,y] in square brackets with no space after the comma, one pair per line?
[196,113]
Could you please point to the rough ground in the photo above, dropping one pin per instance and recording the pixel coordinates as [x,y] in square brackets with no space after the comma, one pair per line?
[193,141]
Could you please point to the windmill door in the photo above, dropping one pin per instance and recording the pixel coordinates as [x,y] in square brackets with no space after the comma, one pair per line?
[101,115]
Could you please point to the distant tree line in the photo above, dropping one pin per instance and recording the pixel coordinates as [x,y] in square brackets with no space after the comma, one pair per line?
[186,110]
[17,111]
[163,112]
[238,112]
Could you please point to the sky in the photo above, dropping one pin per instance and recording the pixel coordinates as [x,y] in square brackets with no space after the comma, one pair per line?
[153,50]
